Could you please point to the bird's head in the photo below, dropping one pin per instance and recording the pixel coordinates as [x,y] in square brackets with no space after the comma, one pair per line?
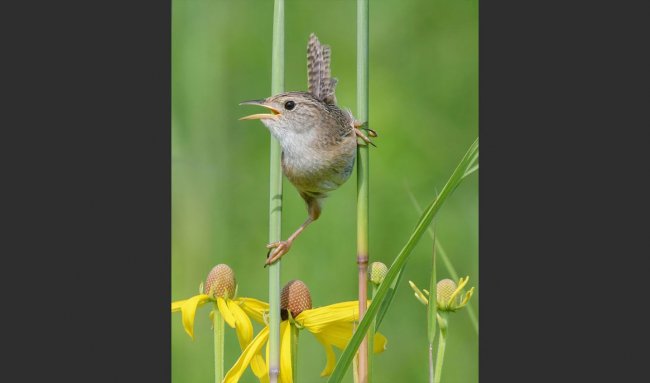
[292,113]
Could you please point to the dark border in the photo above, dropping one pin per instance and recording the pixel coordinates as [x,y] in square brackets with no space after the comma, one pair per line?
[86,190]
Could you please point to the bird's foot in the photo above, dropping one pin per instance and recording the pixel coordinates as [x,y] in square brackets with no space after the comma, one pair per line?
[276,251]
[357,130]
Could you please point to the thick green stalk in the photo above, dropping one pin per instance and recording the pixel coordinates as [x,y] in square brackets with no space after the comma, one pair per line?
[275,196]
[362,176]
[442,342]
[217,326]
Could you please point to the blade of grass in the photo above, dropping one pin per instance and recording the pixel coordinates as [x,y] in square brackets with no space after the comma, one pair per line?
[456,178]
[385,305]
[393,288]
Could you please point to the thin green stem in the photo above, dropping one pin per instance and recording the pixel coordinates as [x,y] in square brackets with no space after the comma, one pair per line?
[430,363]
[295,331]
[275,196]
[218,327]
[442,342]
[362,177]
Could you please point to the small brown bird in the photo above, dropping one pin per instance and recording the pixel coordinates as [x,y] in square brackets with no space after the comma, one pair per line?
[318,139]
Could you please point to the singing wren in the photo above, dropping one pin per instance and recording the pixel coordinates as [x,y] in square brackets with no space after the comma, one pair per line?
[318,139]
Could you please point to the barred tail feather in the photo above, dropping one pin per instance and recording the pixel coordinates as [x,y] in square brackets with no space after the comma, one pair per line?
[320,83]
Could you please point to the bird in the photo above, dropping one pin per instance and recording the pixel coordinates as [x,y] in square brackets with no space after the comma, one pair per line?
[318,139]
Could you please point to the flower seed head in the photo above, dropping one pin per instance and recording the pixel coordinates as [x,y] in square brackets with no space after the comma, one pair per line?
[378,272]
[445,289]
[295,298]
[220,282]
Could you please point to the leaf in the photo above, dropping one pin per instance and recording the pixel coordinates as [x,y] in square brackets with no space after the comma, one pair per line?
[456,178]
[389,298]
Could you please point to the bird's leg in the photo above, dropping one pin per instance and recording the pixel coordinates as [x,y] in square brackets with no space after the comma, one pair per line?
[282,247]
[356,125]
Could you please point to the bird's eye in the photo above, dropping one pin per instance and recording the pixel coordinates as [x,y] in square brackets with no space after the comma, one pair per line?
[289,105]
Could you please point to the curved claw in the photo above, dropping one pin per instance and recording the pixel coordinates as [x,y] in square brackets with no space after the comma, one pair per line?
[356,125]
[281,248]
[365,138]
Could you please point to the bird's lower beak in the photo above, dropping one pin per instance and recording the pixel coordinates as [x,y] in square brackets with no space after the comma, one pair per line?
[260,116]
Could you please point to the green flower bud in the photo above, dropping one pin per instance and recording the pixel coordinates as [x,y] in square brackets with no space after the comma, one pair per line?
[377,273]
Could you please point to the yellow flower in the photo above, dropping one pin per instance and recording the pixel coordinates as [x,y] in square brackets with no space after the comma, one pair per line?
[449,296]
[220,288]
[332,326]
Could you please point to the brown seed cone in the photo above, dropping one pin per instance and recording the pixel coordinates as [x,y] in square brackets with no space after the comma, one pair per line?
[445,288]
[220,282]
[295,298]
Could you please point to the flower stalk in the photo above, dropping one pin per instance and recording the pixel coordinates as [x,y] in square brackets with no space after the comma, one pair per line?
[442,342]
[362,178]
[295,331]
[218,328]
[275,196]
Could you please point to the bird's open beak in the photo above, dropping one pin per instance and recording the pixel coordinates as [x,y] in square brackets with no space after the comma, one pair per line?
[260,116]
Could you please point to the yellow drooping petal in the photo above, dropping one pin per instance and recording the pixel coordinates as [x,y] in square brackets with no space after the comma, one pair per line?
[176,306]
[461,284]
[380,343]
[258,365]
[316,319]
[225,312]
[188,311]
[331,357]
[254,308]
[339,335]
[247,356]
[336,334]
[286,371]
[418,294]
[243,325]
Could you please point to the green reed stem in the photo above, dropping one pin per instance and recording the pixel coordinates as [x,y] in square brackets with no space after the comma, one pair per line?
[442,342]
[362,177]
[218,328]
[275,196]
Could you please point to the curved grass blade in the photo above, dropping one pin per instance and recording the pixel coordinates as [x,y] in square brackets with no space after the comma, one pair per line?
[385,305]
[456,178]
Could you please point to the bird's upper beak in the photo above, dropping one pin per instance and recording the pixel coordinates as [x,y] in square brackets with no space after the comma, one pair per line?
[260,116]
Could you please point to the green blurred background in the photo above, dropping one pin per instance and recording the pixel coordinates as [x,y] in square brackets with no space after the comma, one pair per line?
[423,104]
